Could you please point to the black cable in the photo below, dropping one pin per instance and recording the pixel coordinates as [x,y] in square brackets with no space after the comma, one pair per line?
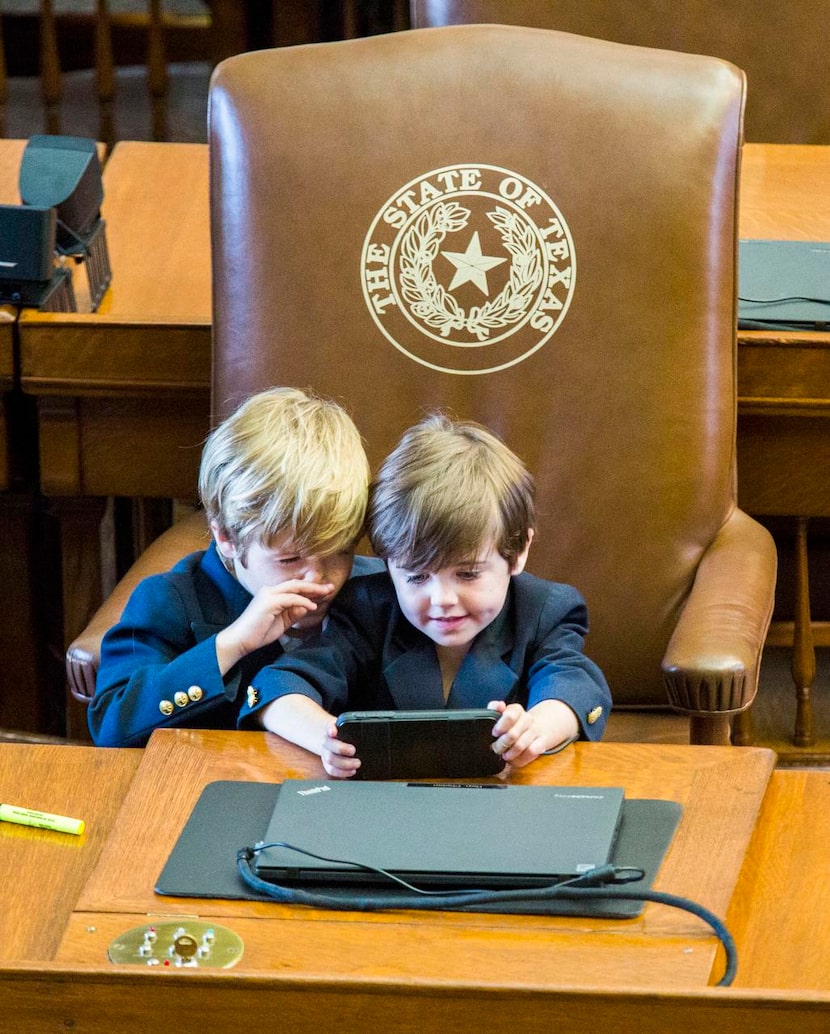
[592,885]
[785,298]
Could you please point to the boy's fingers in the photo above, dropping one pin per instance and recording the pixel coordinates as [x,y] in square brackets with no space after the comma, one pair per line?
[303,588]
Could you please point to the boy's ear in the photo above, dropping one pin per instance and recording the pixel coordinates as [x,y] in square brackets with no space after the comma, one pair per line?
[223,541]
[521,559]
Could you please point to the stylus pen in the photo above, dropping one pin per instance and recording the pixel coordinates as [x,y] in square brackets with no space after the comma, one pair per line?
[41,819]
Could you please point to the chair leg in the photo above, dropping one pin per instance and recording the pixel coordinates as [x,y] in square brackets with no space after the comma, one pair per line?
[742,732]
[709,731]
[804,654]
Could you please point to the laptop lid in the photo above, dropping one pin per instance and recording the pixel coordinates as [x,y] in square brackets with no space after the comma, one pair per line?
[784,285]
[439,834]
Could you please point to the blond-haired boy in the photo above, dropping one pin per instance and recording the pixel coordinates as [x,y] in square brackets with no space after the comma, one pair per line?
[283,482]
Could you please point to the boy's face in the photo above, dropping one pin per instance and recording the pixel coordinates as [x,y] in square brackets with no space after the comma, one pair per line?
[280,561]
[453,604]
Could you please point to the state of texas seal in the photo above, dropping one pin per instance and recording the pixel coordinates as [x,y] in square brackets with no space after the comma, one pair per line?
[468,269]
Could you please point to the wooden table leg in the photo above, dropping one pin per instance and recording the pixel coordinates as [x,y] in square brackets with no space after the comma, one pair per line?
[83,580]
[804,654]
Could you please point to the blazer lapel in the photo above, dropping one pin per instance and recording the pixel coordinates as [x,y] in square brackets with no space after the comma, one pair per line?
[414,678]
[484,675]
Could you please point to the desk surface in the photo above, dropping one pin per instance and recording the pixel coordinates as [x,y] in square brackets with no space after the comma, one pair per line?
[152,329]
[47,869]
[437,972]
[703,863]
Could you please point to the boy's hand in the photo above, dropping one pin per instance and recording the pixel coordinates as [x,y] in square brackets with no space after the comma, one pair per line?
[273,610]
[339,758]
[521,736]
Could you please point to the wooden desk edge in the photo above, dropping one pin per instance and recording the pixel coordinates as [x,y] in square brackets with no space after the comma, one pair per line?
[47,997]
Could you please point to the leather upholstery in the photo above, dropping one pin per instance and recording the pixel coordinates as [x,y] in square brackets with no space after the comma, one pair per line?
[84,653]
[358,191]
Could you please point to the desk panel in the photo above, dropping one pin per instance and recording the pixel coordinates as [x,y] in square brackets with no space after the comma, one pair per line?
[45,999]
[703,863]
[777,913]
[414,974]
[43,870]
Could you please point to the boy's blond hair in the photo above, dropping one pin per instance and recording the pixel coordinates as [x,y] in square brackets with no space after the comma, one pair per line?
[286,463]
[447,490]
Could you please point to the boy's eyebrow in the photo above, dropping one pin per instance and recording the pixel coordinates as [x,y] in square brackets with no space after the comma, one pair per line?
[482,562]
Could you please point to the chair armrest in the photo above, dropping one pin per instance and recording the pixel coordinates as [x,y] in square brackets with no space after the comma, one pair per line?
[712,662]
[84,653]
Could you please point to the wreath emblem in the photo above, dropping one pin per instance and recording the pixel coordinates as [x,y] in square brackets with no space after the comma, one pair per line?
[438,322]
[430,302]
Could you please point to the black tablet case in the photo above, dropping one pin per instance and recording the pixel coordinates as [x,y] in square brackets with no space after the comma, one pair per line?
[230,815]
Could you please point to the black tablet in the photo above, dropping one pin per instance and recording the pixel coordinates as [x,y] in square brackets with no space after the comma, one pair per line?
[422,744]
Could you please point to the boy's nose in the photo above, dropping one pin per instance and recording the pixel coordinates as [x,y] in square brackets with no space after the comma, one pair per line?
[442,594]
[315,570]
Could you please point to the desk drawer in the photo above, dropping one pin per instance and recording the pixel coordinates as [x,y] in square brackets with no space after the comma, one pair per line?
[784,372]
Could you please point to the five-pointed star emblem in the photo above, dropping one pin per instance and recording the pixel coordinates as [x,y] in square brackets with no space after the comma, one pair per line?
[471,265]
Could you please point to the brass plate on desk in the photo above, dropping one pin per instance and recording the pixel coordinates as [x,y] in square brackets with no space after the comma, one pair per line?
[187,944]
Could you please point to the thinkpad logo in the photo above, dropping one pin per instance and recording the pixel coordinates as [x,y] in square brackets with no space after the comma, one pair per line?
[468,269]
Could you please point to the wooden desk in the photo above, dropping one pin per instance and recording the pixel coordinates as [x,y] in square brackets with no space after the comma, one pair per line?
[442,972]
[773,914]
[784,383]
[123,393]
[43,871]
[663,946]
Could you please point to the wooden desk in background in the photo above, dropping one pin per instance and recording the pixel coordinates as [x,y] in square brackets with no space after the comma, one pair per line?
[123,394]
[784,383]
[10,152]
[402,971]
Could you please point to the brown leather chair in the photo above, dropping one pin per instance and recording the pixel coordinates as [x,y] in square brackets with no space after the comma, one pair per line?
[536,231]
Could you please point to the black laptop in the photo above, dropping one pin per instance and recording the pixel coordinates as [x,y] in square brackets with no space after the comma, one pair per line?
[438,834]
[784,285]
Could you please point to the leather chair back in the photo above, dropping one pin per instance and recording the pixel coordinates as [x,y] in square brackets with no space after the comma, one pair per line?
[526,228]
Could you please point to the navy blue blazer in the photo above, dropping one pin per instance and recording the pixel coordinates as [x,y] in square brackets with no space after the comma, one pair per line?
[370,657]
[158,664]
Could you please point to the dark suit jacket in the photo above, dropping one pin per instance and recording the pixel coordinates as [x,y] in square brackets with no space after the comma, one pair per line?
[158,664]
[370,657]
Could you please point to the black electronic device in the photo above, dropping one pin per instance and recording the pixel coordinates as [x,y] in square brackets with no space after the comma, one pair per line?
[64,173]
[444,834]
[784,285]
[29,275]
[422,744]
[230,814]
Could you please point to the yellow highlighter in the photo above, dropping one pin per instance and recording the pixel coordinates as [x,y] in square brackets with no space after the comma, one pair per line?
[40,819]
